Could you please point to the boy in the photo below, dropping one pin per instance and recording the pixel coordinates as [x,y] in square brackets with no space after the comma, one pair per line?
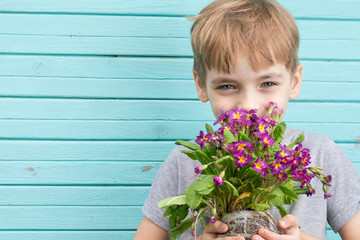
[245,56]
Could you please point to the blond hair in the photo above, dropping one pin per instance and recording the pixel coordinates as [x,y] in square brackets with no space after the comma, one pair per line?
[262,31]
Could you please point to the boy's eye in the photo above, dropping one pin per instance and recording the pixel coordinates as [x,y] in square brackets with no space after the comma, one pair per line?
[268,84]
[225,87]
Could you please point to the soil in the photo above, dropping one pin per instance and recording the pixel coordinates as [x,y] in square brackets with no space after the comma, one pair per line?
[247,223]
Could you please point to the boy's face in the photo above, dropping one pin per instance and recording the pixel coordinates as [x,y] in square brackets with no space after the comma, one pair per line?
[247,89]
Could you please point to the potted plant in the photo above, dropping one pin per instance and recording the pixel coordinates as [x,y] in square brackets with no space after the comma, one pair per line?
[246,169]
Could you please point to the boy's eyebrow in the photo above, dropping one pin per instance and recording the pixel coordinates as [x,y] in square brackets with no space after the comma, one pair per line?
[269,75]
[221,80]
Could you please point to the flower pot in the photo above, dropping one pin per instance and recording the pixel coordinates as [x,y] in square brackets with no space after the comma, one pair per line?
[246,223]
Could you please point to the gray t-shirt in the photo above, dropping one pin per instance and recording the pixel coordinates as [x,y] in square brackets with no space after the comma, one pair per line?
[177,173]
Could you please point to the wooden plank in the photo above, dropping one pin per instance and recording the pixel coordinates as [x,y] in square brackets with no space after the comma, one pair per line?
[148,26]
[41,150]
[134,46]
[68,235]
[80,109]
[81,173]
[67,218]
[72,196]
[139,89]
[89,235]
[129,46]
[101,25]
[100,67]
[304,9]
[156,68]
[141,130]
[84,218]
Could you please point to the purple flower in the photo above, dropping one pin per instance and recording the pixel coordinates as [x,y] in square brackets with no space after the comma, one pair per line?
[212,219]
[221,118]
[242,159]
[310,192]
[283,154]
[282,176]
[328,180]
[277,167]
[202,139]
[327,195]
[259,166]
[236,114]
[262,127]
[266,139]
[268,120]
[198,170]
[218,181]
[238,147]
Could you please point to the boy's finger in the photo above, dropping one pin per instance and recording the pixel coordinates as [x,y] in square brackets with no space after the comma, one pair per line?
[266,234]
[289,224]
[217,227]
[212,229]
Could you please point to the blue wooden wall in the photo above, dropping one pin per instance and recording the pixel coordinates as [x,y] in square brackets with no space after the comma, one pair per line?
[94,93]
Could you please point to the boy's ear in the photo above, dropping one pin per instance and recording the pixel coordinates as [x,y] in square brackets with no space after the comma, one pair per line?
[200,90]
[296,82]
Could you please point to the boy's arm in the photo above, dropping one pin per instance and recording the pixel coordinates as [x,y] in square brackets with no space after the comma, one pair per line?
[150,231]
[351,230]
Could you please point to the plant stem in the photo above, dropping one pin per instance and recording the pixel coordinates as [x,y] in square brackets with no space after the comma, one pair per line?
[277,186]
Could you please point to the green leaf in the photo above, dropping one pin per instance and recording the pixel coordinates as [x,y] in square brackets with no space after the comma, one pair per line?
[210,150]
[167,212]
[180,229]
[202,157]
[229,137]
[278,133]
[244,137]
[278,200]
[235,192]
[259,206]
[290,196]
[300,138]
[282,211]
[206,191]
[205,183]
[183,212]
[298,190]
[190,145]
[209,129]
[224,159]
[193,196]
[172,220]
[190,154]
[175,200]
[289,184]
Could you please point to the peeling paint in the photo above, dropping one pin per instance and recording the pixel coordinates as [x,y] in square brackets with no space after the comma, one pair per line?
[357,142]
[146,168]
[30,169]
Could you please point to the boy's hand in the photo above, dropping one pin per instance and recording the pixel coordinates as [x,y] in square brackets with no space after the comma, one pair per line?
[212,229]
[289,224]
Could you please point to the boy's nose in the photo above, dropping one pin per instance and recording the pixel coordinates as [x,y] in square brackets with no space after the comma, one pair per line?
[249,101]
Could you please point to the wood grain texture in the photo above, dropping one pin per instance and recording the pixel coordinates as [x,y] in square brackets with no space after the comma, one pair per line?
[142,67]
[95,88]
[304,9]
[157,151]
[182,110]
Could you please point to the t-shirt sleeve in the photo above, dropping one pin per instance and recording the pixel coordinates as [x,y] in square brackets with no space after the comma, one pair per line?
[345,202]
[164,185]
